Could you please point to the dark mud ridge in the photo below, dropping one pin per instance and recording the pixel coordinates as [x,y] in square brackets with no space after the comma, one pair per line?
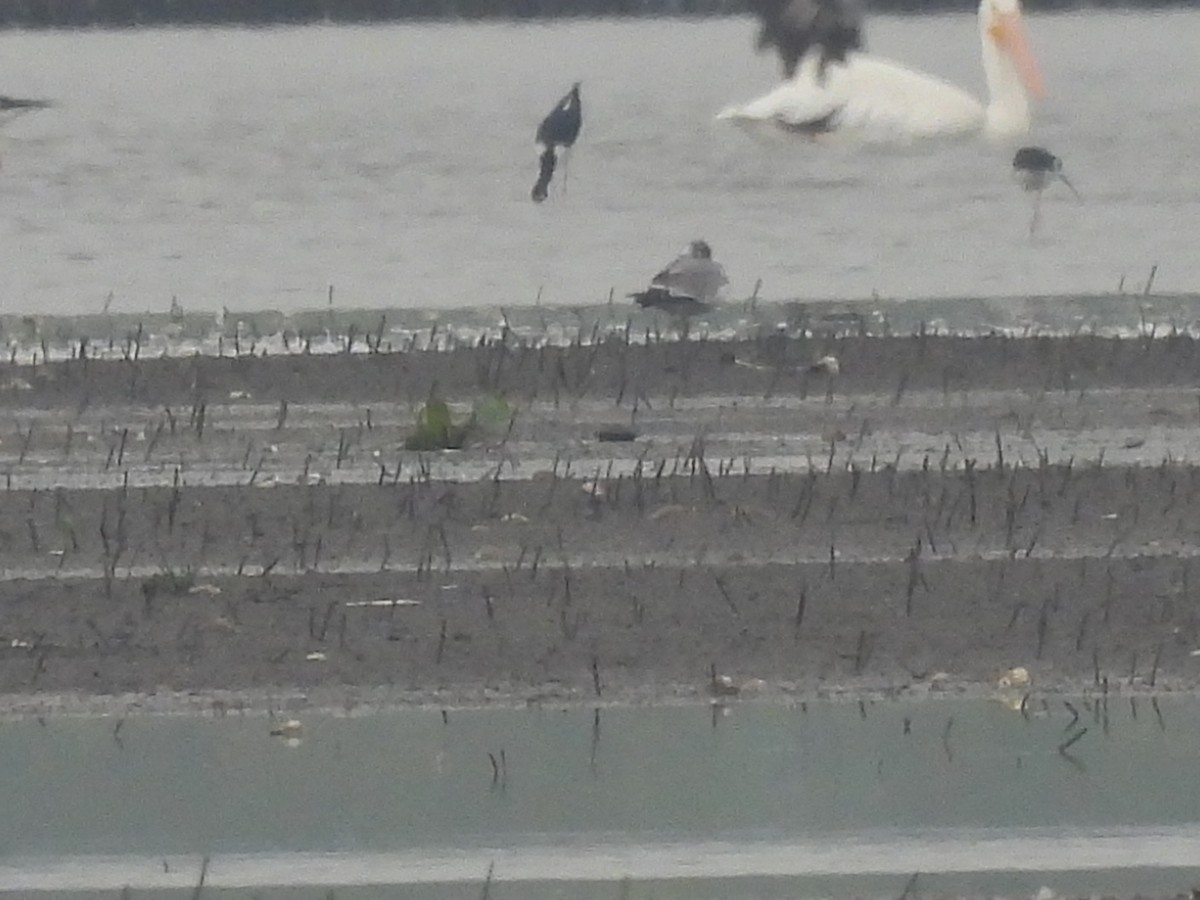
[932,514]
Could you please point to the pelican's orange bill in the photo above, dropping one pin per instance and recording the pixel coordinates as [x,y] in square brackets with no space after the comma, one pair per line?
[1009,33]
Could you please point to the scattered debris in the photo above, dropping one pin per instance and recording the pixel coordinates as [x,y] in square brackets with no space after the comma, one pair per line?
[1014,701]
[172,583]
[1015,677]
[315,656]
[723,686]
[383,602]
[615,434]
[833,435]
[940,681]
[828,365]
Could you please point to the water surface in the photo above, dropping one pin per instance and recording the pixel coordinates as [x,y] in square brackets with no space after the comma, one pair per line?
[255,168]
[756,800]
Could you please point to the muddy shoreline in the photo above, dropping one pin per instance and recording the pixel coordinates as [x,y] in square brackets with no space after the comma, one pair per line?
[616,368]
[937,511]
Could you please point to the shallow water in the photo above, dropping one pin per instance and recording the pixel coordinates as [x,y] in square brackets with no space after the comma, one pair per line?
[752,801]
[254,168]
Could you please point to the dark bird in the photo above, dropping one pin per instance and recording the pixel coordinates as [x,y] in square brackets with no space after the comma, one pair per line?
[793,27]
[556,135]
[687,286]
[11,107]
[1035,168]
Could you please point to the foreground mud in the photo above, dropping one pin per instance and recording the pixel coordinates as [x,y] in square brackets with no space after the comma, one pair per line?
[937,512]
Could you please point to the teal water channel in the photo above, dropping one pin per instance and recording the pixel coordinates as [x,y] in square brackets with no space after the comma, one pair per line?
[746,801]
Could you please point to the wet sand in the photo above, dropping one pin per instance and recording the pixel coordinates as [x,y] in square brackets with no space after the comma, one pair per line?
[198,533]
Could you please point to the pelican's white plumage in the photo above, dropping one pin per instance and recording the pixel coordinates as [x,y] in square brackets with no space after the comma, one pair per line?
[874,100]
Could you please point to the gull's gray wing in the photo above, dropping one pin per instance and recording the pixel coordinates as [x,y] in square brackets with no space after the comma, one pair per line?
[700,279]
[793,27]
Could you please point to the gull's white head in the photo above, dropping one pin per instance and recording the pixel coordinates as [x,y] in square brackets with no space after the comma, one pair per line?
[1012,71]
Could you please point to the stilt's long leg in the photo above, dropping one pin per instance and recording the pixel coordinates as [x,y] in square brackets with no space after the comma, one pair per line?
[1063,179]
[1037,213]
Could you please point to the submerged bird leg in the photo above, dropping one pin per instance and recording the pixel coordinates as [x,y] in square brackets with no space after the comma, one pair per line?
[1037,212]
[546,163]
[1063,179]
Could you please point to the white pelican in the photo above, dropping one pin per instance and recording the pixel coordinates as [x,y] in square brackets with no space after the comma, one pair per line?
[835,90]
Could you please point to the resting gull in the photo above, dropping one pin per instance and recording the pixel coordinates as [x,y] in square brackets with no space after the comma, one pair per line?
[688,285]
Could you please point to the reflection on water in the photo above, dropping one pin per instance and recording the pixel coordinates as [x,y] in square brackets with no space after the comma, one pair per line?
[804,796]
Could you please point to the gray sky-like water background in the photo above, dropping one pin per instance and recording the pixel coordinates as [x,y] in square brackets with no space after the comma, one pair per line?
[255,168]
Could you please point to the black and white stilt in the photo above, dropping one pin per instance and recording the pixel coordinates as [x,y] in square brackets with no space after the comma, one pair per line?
[1035,168]
[556,136]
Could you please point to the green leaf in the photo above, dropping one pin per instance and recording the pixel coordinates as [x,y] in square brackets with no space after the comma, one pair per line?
[434,416]
[435,429]
[493,412]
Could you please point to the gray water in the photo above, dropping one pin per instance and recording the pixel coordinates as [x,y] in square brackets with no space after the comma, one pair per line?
[750,801]
[254,168]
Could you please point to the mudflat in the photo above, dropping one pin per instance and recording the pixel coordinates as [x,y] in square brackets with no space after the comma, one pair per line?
[648,521]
